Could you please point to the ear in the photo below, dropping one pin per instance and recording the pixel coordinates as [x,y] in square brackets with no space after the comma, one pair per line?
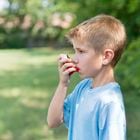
[108,55]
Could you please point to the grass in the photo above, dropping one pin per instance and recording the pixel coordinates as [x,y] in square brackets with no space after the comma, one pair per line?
[28,79]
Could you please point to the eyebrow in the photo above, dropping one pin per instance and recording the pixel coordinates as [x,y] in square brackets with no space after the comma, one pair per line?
[80,49]
[77,48]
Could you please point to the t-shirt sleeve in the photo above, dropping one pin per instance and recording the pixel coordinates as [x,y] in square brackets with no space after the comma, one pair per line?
[69,103]
[112,123]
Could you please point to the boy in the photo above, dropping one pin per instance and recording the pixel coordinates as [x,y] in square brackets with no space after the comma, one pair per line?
[95,109]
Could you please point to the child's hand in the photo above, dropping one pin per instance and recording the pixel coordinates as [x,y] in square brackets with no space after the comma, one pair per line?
[66,68]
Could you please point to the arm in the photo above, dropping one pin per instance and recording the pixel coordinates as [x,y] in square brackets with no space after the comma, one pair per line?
[55,111]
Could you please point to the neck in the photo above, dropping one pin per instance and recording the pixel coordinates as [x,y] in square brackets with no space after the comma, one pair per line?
[105,76]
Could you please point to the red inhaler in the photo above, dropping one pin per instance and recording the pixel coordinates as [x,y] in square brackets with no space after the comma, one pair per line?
[77,69]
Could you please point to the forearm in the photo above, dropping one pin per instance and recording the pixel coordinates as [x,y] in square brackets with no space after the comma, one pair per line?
[55,111]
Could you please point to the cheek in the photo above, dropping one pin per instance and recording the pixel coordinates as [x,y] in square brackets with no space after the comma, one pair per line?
[90,63]
[86,65]
[95,62]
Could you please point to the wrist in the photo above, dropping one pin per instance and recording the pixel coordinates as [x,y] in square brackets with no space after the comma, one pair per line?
[64,84]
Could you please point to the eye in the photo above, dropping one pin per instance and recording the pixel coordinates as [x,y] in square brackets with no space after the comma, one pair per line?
[80,51]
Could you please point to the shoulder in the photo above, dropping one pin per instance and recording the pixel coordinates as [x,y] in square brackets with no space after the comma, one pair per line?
[82,86]
[111,94]
[84,83]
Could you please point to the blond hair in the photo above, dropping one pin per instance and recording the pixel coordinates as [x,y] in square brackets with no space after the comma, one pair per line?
[100,32]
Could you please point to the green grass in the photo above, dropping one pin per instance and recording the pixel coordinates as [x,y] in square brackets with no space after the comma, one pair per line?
[28,79]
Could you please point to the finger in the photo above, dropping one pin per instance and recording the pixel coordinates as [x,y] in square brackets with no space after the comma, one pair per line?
[63,58]
[67,66]
[69,71]
[76,70]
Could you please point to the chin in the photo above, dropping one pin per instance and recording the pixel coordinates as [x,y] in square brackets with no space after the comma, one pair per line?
[84,76]
[81,76]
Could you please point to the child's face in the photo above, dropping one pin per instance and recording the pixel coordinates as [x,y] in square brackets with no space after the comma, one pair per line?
[87,60]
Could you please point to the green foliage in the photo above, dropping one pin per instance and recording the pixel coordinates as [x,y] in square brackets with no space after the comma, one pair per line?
[130,66]
[40,13]
[128,75]
[126,10]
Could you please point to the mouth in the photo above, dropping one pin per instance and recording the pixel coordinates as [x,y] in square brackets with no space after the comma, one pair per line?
[77,69]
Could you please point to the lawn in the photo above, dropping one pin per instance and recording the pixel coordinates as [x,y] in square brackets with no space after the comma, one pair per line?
[27,81]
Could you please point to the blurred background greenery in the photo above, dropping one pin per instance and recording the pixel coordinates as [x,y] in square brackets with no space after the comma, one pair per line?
[31,37]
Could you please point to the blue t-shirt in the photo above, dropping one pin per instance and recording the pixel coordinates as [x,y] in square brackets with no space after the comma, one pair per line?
[95,113]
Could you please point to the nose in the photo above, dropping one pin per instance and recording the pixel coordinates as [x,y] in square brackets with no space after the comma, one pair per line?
[75,59]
